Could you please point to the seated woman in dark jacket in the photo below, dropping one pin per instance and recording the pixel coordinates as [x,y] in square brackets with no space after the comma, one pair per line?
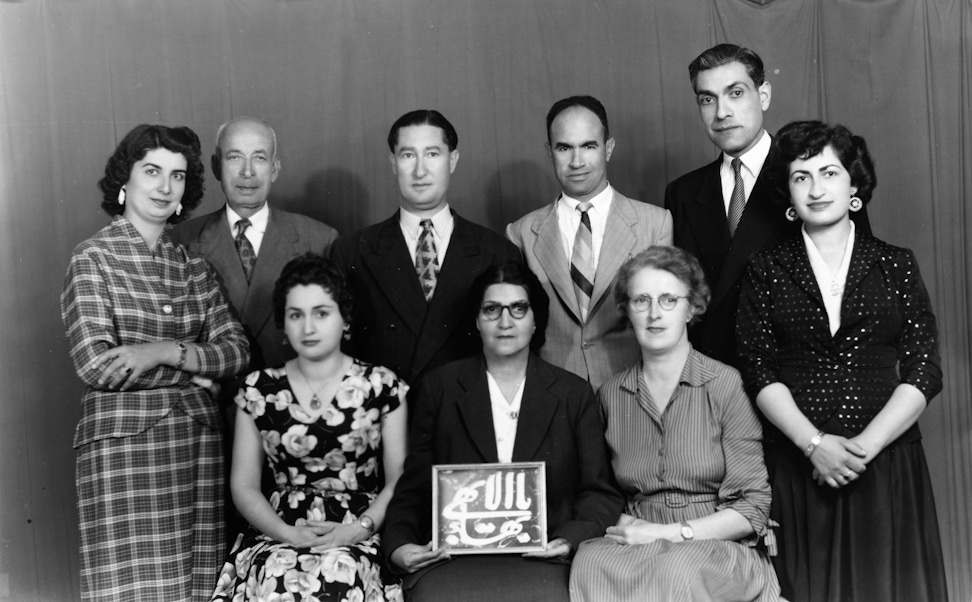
[504,405]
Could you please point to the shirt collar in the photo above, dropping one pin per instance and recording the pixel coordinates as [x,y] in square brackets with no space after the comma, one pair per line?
[754,158]
[600,203]
[694,373]
[441,221]
[258,221]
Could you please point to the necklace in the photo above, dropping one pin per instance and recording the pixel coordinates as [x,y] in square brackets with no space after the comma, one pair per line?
[315,401]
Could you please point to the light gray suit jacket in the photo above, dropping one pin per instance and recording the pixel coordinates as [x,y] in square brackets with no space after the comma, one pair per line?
[288,235]
[605,344]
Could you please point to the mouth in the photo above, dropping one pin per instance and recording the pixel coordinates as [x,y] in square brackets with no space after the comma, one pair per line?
[577,176]
[309,342]
[655,330]
[161,202]
[818,205]
[247,190]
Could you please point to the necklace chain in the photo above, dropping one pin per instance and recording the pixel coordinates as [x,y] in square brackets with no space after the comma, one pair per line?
[315,401]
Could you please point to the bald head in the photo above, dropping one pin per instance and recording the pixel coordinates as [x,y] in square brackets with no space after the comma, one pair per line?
[245,163]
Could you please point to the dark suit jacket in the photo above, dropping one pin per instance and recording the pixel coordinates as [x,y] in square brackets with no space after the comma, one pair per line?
[288,235]
[560,424]
[395,327]
[702,229]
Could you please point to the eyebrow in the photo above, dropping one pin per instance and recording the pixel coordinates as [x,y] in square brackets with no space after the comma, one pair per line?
[585,143]
[738,82]
[822,168]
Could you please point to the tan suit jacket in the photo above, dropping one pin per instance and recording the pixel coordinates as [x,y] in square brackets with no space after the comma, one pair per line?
[605,344]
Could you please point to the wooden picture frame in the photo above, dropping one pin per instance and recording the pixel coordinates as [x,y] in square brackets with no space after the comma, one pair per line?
[489,508]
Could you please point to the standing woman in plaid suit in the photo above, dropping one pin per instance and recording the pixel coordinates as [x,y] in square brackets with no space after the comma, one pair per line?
[148,330]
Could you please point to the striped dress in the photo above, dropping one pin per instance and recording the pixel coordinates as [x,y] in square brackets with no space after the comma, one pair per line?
[150,463]
[702,455]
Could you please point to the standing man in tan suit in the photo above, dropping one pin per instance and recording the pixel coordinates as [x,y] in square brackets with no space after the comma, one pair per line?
[576,244]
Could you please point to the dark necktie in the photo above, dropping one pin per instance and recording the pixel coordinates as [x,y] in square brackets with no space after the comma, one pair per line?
[244,248]
[426,259]
[737,202]
[582,261]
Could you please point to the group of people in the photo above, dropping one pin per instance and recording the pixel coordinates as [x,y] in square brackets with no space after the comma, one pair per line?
[724,391]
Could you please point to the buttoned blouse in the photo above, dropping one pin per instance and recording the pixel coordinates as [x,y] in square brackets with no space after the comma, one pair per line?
[706,441]
[117,292]
[887,334]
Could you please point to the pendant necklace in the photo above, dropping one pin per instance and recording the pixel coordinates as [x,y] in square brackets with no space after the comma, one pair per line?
[315,401]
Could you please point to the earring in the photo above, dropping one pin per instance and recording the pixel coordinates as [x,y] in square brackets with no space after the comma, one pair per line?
[179,209]
[286,342]
[347,334]
[856,203]
[121,195]
[791,214]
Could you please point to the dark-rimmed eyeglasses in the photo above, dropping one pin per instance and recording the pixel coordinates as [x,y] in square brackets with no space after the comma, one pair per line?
[493,311]
[642,303]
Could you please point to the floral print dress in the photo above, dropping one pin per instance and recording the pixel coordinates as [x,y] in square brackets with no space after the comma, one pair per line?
[325,468]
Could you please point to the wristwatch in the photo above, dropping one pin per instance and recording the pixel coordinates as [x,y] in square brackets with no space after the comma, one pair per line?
[366,522]
[687,532]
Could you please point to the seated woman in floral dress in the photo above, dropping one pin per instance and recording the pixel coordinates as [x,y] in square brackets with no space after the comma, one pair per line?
[332,430]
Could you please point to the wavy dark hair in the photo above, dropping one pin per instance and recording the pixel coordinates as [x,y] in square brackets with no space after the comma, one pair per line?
[681,264]
[805,139]
[723,54]
[133,148]
[515,273]
[307,269]
[424,117]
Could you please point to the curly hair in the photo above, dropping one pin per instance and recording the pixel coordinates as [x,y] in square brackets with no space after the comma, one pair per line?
[306,270]
[515,273]
[805,139]
[681,264]
[133,148]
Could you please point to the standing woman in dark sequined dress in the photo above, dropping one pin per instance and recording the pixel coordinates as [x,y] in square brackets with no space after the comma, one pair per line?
[839,349]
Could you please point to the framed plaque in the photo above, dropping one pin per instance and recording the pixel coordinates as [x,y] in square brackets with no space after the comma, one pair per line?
[489,508]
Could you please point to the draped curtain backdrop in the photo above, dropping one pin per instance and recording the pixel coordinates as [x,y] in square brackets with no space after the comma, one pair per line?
[331,77]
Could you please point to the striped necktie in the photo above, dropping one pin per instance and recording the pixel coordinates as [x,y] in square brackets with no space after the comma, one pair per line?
[244,248]
[426,259]
[582,261]
[737,202]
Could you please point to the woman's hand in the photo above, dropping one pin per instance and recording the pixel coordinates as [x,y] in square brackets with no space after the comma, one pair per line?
[324,535]
[557,548]
[128,362]
[412,557]
[637,531]
[837,461]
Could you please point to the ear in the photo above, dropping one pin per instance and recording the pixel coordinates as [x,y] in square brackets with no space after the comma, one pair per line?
[609,147]
[276,170]
[549,150]
[217,166]
[453,160]
[765,95]
[853,190]
[391,159]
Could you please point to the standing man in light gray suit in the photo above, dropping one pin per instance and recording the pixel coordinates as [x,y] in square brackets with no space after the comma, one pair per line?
[576,244]
[248,256]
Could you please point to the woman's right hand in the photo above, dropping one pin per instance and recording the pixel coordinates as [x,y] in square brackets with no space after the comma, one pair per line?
[412,557]
[837,461]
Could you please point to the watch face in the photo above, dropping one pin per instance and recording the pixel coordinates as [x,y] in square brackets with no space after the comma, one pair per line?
[367,523]
[687,532]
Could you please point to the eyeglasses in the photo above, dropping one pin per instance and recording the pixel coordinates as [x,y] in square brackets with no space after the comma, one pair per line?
[493,311]
[642,303]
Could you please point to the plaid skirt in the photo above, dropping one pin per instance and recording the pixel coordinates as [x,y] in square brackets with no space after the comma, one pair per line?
[151,513]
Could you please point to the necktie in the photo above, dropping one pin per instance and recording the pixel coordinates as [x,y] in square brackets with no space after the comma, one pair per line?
[426,259]
[737,202]
[582,261]
[244,248]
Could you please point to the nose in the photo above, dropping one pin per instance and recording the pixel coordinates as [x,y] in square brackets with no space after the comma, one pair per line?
[654,309]
[246,168]
[308,326]
[420,169]
[165,186]
[576,159]
[816,190]
[505,318]
[723,110]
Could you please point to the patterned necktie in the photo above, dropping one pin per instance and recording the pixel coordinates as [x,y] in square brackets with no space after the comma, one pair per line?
[582,261]
[244,248]
[737,202]
[426,259]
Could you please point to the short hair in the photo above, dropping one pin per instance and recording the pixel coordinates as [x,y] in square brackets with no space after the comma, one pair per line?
[217,157]
[517,274]
[308,269]
[424,117]
[681,264]
[588,102]
[805,139]
[133,148]
[723,54]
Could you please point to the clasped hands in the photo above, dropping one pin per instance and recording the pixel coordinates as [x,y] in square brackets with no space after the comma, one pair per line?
[838,461]
[635,531]
[320,535]
[412,557]
[125,363]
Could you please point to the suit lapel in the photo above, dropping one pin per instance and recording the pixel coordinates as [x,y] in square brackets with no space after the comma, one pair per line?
[616,247]
[549,251]
[863,256]
[275,251]
[217,245]
[394,274]
[796,263]
[536,411]
[475,408]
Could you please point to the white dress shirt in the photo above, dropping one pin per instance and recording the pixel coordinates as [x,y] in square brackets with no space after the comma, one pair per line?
[257,228]
[442,225]
[505,416]
[568,217]
[752,164]
[831,285]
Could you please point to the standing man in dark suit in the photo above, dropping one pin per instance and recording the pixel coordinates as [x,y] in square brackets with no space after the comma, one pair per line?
[577,243]
[410,273]
[723,211]
[248,242]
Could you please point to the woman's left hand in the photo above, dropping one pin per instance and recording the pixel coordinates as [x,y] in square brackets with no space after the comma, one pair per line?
[127,362]
[638,531]
[334,535]
[557,548]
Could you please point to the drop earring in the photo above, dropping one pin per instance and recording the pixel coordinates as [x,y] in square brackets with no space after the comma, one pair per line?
[856,203]
[347,334]
[179,209]
[791,214]
[121,195]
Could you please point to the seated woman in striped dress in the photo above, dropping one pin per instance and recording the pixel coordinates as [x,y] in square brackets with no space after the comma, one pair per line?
[686,450]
